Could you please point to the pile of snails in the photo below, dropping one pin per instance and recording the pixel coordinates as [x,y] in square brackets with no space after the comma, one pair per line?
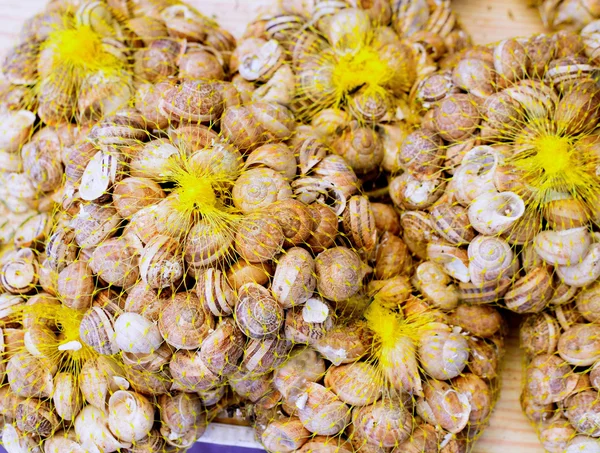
[567,14]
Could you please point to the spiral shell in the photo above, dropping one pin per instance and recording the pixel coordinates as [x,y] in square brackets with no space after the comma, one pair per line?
[19,271]
[183,323]
[259,238]
[451,222]
[130,416]
[193,101]
[161,264]
[285,436]
[257,188]
[530,293]
[490,258]
[277,157]
[355,384]
[223,348]
[322,412]
[295,220]
[214,292]
[257,313]
[443,353]
[549,379]
[420,154]
[359,222]
[580,344]
[294,280]
[339,273]
[539,334]
[564,247]
[190,373]
[97,331]
[206,244]
[494,213]
[264,354]
[383,423]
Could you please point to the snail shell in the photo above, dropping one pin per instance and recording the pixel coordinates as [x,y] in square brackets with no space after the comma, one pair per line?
[285,436]
[406,191]
[581,409]
[484,357]
[295,220]
[302,365]
[588,302]
[257,188]
[144,300]
[580,344]
[322,412]
[136,334]
[418,231]
[98,379]
[153,361]
[195,101]
[205,244]
[215,292]
[443,352]
[259,238]
[98,332]
[359,222]
[257,313]
[183,323]
[310,322]
[420,154]
[392,257]
[190,373]
[130,416]
[19,271]
[549,379]
[478,393]
[294,280]
[223,348]
[161,264]
[61,249]
[91,424]
[115,261]
[564,247]
[182,418]
[495,213]
[480,320]
[93,224]
[446,406]
[36,417]
[583,273]
[251,386]
[361,148]
[278,157]
[456,117]
[184,22]
[475,175]
[530,293]
[244,272]
[539,334]
[132,194]
[339,273]
[356,384]
[265,354]
[454,260]
[491,258]
[344,343]
[384,423]
[29,376]
[451,222]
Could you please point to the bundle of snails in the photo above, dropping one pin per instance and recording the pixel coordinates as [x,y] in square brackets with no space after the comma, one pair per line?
[394,370]
[567,14]
[562,381]
[80,61]
[347,67]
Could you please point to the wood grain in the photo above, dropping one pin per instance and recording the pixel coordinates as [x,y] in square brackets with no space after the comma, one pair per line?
[487,21]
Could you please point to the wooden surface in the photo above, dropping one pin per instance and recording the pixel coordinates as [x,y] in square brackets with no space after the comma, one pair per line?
[487,21]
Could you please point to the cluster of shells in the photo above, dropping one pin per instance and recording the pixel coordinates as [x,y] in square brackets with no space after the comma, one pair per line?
[562,380]
[567,14]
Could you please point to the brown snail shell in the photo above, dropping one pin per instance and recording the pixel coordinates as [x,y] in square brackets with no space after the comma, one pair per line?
[480,320]
[61,249]
[158,61]
[361,148]
[420,154]
[588,302]
[539,334]
[257,313]
[259,238]
[385,423]
[132,194]
[97,331]
[145,301]
[531,293]
[183,322]
[278,157]
[549,379]
[295,220]
[258,188]
[195,101]
[325,227]
[19,271]
[309,323]
[36,417]
[483,360]
[579,345]
[322,412]
[201,64]
[356,384]
[215,293]
[116,260]
[392,257]
[222,349]
[264,354]
[252,386]
[451,222]
[285,436]
[303,365]
[190,373]
[153,361]
[581,409]
[359,222]
[161,263]
[244,272]
[76,285]
[206,244]
[294,280]
[93,224]
[479,394]
[339,273]
[30,377]
[445,406]
[181,414]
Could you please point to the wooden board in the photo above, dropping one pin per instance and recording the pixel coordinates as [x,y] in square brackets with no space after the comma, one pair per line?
[487,21]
